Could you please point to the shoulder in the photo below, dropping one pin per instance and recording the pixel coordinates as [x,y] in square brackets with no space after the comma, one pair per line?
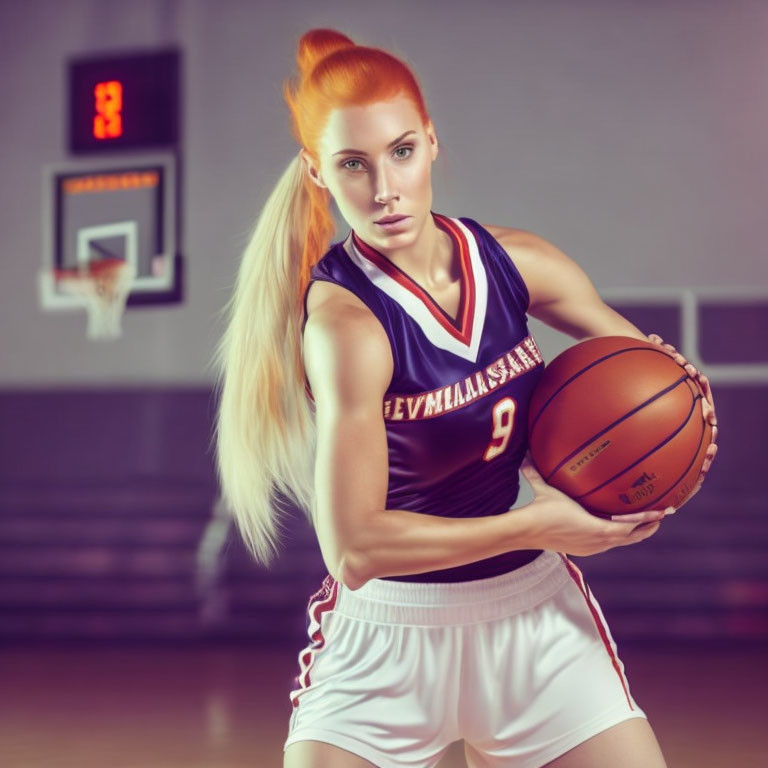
[331,306]
[346,350]
[522,245]
[542,265]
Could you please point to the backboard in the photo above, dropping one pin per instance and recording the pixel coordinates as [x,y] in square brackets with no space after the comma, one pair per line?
[122,208]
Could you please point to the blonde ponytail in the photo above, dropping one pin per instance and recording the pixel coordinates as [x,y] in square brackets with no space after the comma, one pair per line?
[265,428]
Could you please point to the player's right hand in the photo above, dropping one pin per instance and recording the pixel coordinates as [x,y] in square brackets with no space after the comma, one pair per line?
[561,524]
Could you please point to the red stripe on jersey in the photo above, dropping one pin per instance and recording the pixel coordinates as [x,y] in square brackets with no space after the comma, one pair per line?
[322,601]
[461,328]
[581,583]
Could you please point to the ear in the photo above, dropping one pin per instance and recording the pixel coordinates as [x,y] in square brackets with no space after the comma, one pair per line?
[312,169]
[434,147]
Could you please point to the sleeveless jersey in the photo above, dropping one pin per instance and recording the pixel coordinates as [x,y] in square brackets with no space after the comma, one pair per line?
[456,409]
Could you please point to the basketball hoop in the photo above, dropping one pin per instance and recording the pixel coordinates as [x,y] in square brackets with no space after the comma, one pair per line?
[105,285]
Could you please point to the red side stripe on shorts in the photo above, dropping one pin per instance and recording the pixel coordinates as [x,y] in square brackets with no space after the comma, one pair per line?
[323,600]
[581,583]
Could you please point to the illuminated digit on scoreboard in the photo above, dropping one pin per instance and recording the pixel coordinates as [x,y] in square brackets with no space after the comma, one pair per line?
[108,120]
[503,422]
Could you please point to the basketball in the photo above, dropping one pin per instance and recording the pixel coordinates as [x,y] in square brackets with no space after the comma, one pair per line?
[616,424]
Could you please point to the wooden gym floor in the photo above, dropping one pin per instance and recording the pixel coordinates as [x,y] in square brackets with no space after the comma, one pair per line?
[227,706]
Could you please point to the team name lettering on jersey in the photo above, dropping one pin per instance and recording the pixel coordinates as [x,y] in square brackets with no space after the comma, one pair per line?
[424,405]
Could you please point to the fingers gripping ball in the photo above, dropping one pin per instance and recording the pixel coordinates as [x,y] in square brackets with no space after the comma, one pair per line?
[617,425]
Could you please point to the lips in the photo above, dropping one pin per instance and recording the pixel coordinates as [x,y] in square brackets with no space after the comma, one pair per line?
[390,219]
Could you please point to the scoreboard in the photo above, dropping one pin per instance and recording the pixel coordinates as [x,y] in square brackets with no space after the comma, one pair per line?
[123,102]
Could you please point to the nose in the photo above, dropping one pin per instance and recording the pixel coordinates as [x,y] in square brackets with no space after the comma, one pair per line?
[384,187]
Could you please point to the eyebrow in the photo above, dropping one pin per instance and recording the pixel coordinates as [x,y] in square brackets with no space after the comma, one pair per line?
[360,151]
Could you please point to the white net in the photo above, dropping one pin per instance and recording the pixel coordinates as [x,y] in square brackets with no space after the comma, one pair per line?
[105,285]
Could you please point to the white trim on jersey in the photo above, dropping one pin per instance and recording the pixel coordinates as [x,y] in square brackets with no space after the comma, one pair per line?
[419,311]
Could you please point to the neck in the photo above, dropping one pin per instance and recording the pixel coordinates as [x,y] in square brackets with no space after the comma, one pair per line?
[429,259]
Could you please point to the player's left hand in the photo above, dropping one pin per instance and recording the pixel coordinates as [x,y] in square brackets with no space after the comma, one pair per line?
[707,407]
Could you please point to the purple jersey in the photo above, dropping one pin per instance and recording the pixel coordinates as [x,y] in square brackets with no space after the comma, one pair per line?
[456,409]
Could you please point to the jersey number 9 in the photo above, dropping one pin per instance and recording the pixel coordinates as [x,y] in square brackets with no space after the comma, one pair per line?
[503,415]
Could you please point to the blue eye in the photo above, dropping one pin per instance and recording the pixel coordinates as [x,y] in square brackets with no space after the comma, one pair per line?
[401,157]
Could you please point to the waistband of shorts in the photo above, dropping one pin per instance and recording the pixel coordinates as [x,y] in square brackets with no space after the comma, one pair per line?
[464,602]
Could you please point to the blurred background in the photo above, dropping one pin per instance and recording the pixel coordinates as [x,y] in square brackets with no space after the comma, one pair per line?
[134,628]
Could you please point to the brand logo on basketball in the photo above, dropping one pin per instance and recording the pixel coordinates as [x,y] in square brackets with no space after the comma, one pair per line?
[643,487]
[585,458]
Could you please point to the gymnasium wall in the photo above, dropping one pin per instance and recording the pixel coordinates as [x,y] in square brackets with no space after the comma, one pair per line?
[630,134]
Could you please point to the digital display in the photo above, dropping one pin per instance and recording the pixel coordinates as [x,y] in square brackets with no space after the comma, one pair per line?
[108,118]
[124,101]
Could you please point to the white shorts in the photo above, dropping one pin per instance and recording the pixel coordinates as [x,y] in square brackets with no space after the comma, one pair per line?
[521,666]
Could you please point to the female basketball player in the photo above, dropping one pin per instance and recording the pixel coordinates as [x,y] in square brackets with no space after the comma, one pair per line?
[445,614]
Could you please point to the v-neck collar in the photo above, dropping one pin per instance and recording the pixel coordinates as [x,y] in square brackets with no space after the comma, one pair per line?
[459,327]
[460,335]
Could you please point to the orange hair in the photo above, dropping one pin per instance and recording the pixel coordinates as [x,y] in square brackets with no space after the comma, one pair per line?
[335,73]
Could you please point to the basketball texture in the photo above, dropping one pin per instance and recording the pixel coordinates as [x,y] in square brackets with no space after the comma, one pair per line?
[616,424]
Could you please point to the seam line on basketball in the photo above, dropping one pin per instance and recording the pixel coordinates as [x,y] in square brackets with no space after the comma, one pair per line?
[583,371]
[646,455]
[611,426]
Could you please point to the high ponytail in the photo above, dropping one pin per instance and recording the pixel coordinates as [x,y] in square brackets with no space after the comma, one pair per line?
[265,430]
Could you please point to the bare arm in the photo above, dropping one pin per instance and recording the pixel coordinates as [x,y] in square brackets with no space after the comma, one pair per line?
[561,293]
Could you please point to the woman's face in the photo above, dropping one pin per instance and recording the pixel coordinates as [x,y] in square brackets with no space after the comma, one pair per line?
[376,161]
